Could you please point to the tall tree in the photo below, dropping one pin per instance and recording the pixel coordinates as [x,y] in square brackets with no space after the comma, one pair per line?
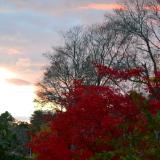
[11,147]
[139,26]
[67,62]
[129,38]
[75,59]
[22,132]
[40,119]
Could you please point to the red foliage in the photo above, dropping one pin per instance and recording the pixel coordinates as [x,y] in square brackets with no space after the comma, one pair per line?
[96,121]
[118,74]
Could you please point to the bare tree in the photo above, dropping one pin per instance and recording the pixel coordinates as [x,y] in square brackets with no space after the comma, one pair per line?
[138,27]
[75,60]
[139,23]
[129,39]
[68,62]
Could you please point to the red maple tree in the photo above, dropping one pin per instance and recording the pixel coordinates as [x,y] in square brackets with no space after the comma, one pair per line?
[102,124]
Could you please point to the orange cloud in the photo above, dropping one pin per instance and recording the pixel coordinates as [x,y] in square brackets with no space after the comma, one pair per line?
[18,82]
[109,6]
[153,8]
[14,51]
[10,51]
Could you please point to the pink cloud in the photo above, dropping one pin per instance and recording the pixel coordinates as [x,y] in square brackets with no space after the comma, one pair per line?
[113,6]
[18,82]
[153,8]
[24,69]
[102,6]
[14,51]
[10,51]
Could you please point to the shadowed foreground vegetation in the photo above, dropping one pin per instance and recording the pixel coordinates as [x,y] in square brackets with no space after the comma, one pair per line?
[15,135]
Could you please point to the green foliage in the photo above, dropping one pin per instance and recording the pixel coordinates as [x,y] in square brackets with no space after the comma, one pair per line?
[158,116]
[21,131]
[102,156]
[12,144]
[130,157]
[36,120]
[40,119]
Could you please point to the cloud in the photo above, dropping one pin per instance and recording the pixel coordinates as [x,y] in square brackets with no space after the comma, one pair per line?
[25,69]
[14,51]
[5,10]
[23,62]
[152,7]
[18,82]
[97,6]
[10,50]
[30,30]
[28,69]
[54,7]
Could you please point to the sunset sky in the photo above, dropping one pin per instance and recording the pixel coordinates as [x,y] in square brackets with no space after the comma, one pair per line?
[29,28]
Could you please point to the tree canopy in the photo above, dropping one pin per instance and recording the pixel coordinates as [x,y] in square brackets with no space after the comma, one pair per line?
[127,39]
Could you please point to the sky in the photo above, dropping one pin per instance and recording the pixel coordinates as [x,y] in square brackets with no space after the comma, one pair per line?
[29,28]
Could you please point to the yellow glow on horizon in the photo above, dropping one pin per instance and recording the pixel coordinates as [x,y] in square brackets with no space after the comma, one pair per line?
[4,74]
[18,100]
